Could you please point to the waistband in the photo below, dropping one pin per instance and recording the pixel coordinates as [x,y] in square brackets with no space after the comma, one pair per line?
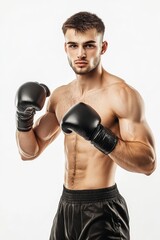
[90,195]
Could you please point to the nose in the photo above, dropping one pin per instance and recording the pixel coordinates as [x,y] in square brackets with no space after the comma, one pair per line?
[81,53]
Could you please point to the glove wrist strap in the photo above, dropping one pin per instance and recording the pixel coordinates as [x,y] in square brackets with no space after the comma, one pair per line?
[104,139]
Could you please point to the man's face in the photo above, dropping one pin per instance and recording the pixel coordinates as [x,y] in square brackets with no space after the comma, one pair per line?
[83,50]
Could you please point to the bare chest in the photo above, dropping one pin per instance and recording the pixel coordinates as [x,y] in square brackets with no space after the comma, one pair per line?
[99,101]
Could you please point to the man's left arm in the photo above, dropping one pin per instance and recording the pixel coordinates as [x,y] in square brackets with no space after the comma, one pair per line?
[135,149]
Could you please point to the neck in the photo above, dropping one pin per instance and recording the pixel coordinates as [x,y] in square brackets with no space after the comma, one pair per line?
[90,81]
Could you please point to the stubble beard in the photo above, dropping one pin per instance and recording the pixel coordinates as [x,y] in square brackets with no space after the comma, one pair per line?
[84,70]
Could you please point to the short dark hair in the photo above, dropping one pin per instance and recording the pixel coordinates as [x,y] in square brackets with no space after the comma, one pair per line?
[83,21]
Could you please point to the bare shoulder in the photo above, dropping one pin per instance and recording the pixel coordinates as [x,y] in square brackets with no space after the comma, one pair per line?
[124,90]
[59,90]
[57,95]
[125,98]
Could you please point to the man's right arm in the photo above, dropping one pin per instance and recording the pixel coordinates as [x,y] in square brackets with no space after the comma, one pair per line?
[32,143]
[31,138]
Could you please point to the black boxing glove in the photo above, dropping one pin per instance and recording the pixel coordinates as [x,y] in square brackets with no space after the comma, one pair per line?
[30,98]
[86,122]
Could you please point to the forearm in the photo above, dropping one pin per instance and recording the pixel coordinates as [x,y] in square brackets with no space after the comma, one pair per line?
[27,144]
[134,157]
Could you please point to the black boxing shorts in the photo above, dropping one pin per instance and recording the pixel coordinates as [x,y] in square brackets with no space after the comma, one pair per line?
[99,214]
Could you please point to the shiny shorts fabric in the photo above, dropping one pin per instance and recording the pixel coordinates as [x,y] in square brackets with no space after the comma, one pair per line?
[99,214]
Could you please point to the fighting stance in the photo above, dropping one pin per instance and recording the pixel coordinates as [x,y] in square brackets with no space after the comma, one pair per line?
[104,126]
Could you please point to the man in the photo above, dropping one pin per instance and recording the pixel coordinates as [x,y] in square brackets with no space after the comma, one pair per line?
[104,124]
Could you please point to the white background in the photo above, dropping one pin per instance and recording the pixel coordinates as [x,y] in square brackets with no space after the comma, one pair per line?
[31,49]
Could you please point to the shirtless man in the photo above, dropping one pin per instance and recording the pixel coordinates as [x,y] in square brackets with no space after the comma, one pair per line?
[104,126]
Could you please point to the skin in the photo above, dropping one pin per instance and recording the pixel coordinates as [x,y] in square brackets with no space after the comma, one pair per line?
[120,107]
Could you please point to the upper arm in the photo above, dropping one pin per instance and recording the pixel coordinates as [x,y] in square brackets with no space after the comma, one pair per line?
[133,126]
[47,127]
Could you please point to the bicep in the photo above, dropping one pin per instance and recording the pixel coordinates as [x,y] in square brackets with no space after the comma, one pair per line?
[46,128]
[135,131]
[132,122]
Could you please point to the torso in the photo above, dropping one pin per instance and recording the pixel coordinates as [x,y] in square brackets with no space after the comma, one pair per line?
[85,166]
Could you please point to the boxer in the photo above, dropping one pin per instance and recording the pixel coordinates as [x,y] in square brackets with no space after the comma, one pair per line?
[104,126]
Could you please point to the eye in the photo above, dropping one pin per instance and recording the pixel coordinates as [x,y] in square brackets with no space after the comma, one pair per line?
[89,46]
[72,45]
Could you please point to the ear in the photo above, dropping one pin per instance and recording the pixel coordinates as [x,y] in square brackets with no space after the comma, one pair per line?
[104,47]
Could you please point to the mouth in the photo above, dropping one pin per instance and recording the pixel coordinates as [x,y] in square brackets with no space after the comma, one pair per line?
[81,63]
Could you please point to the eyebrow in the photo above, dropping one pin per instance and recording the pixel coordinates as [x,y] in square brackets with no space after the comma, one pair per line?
[88,42]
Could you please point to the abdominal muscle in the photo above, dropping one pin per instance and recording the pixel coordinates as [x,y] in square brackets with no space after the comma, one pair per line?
[86,167]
